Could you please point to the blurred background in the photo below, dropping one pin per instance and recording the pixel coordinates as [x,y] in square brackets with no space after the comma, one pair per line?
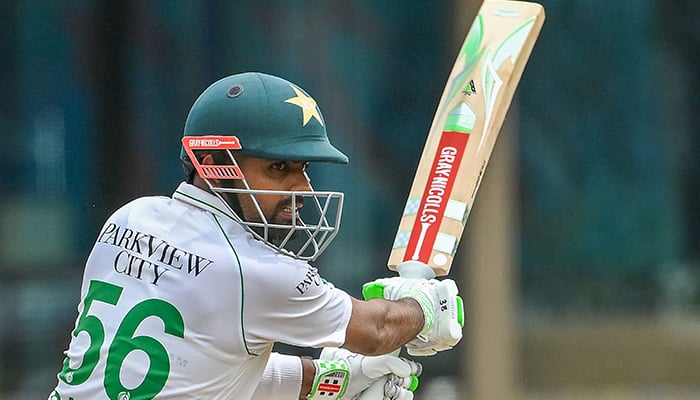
[580,265]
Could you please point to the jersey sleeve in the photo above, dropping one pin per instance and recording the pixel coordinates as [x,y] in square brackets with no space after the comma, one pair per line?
[287,301]
[281,379]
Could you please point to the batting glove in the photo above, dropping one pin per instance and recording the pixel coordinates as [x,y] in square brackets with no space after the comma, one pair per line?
[442,308]
[397,388]
[341,374]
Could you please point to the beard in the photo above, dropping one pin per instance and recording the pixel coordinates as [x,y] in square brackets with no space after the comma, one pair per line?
[278,235]
[274,235]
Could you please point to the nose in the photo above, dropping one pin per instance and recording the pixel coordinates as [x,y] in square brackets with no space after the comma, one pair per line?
[301,183]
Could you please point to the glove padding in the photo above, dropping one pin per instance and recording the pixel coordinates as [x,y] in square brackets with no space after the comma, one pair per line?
[442,308]
[342,374]
[397,388]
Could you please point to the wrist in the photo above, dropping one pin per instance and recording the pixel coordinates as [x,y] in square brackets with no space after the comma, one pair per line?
[308,374]
[426,306]
[331,378]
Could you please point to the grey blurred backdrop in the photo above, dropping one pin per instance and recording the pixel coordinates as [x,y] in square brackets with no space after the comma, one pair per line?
[596,180]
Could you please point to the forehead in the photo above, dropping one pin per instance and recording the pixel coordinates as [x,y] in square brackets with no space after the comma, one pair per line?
[250,160]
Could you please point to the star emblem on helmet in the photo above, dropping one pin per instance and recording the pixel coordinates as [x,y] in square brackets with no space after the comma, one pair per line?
[307,104]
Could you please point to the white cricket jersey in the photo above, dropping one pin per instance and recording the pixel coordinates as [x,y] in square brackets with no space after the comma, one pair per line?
[180,302]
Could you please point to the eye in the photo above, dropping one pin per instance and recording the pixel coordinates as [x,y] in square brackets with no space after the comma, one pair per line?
[279,166]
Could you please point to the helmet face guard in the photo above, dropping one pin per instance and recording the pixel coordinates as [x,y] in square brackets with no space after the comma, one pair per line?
[302,238]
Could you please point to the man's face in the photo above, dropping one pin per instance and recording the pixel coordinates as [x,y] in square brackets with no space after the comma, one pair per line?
[284,180]
[264,174]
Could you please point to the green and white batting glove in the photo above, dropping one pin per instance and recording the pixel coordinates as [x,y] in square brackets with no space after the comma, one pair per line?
[442,308]
[342,374]
[397,388]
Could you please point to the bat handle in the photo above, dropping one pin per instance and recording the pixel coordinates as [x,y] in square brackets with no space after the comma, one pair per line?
[415,270]
[406,269]
[376,390]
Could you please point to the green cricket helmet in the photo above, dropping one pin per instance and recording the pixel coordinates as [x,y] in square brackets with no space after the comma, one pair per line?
[274,119]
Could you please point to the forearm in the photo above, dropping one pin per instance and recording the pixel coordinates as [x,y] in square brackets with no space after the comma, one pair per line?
[380,326]
[285,378]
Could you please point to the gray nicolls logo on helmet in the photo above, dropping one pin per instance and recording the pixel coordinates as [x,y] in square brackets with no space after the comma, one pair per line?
[267,117]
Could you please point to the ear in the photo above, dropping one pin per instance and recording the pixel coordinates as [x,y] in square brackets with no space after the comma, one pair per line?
[206,159]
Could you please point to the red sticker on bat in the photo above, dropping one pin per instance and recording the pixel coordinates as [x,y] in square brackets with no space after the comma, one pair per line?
[438,188]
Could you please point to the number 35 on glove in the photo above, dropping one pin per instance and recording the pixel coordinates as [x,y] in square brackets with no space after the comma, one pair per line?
[443,310]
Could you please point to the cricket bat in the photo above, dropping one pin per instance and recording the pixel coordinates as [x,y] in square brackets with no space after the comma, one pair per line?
[462,136]
[463,133]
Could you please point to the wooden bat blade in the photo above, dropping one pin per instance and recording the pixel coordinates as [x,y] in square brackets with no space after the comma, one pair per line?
[467,122]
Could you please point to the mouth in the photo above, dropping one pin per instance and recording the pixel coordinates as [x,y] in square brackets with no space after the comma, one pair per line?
[291,210]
